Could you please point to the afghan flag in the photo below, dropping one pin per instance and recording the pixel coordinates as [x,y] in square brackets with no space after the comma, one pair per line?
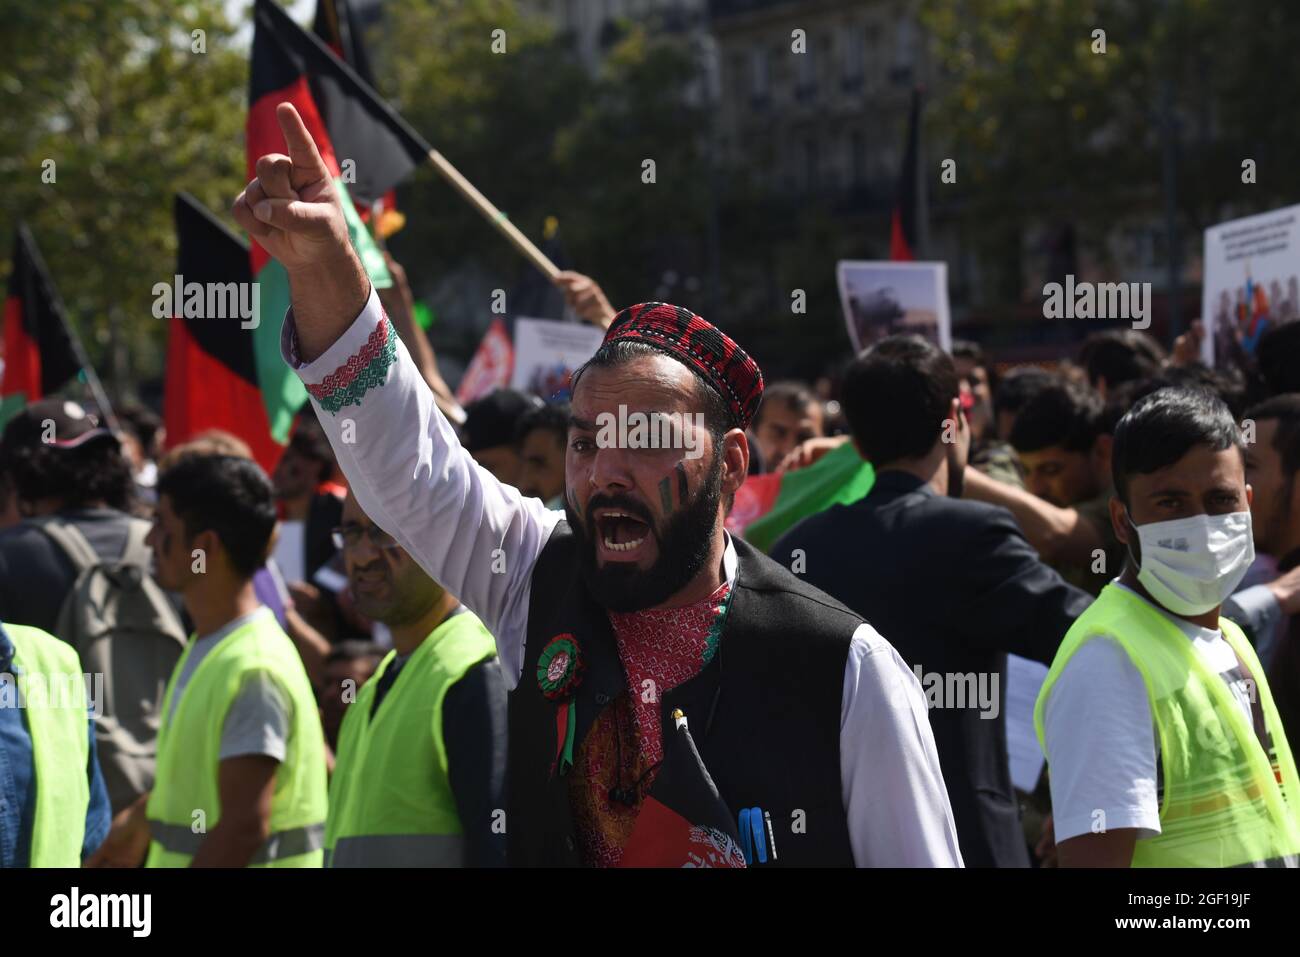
[363,141]
[903,221]
[290,65]
[214,377]
[768,505]
[39,352]
[339,28]
[683,822]
[337,25]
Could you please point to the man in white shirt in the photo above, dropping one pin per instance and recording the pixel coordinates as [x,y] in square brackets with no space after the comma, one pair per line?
[1156,718]
[608,620]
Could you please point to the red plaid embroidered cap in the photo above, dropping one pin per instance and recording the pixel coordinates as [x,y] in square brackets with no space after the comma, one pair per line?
[702,346]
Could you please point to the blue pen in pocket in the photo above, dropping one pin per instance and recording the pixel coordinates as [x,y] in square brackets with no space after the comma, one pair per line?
[746,837]
[760,838]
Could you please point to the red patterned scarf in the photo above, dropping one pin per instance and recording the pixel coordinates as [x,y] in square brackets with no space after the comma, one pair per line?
[660,649]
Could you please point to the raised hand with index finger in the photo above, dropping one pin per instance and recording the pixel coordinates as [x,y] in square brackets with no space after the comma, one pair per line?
[292,208]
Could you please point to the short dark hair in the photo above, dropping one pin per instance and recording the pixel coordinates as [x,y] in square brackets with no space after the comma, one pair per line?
[228,495]
[553,417]
[78,477]
[1278,356]
[1162,427]
[794,395]
[1120,355]
[1018,386]
[1227,382]
[141,422]
[965,349]
[1285,410]
[896,396]
[1061,413]
[309,441]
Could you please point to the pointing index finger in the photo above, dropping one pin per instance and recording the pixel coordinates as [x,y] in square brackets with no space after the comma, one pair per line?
[300,146]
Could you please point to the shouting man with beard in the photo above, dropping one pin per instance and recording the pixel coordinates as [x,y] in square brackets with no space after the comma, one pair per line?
[678,698]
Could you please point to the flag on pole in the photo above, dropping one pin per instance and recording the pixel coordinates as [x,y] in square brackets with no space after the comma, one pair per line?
[369,146]
[290,65]
[40,354]
[213,378]
[769,505]
[338,26]
[491,367]
[905,218]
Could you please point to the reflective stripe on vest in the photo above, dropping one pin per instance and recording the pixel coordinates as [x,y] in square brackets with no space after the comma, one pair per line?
[391,784]
[398,850]
[189,751]
[179,839]
[1226,803]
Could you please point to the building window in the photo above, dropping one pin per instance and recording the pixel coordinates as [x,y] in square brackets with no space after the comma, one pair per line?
[852,43]
[904,51]
[805,84]
[873,66]
[857,159]
[759,77]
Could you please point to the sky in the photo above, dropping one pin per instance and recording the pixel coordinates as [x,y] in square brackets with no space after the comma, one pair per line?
[241,12]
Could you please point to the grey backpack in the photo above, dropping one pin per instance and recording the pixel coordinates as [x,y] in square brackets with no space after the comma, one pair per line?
[129,638]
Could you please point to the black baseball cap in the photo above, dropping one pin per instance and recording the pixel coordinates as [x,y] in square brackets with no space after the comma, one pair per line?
[57,423]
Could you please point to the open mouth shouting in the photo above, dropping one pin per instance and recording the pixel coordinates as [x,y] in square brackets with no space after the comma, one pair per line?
[620,536]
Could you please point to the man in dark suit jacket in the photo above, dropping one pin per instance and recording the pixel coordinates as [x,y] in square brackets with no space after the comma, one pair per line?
[953,583]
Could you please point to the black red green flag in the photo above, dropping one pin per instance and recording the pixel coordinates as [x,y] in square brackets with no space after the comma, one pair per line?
[339,27]
[906,213]
[289,65]
[213,378]
[683,821]
[336,23]
[40,354]
[364,132]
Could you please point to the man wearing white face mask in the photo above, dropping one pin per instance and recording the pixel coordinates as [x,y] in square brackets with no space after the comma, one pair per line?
[1164,744]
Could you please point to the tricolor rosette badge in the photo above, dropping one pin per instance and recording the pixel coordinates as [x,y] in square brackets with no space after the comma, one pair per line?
[559,672]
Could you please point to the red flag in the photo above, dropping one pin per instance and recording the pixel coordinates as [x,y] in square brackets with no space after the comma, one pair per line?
[212,377]
[491,366]
[39,355]
[903,220]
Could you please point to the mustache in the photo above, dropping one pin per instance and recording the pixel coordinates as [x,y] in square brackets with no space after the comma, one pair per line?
[622,503]
[377,565]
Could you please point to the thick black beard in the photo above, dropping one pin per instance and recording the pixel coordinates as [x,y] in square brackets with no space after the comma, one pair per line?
[683,549]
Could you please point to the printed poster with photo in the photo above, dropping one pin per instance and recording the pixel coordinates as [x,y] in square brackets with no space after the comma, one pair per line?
[883,298]
[547,352]
[1251,283]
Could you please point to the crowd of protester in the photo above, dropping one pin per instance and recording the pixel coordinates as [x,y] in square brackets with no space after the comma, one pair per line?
[246,615]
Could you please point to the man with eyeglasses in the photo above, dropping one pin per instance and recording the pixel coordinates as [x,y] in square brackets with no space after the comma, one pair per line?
[420,768]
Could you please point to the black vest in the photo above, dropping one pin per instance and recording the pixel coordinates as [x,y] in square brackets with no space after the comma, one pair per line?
[764,713]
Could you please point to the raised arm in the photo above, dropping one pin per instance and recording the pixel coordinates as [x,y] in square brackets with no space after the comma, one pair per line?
[293,210]
[475,536]
[1060,535]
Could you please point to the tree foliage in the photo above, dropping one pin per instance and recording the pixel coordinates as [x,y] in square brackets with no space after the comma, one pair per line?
[116,97]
